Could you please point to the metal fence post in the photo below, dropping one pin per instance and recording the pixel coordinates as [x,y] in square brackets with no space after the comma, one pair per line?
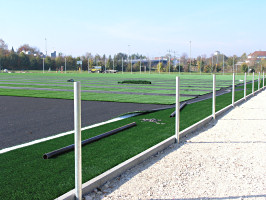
[213,95]
[245,86]
[177,112]
[77,124]
[253,84]
[233,90]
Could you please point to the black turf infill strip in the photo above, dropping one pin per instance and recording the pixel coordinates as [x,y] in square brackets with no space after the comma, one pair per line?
[154,110]
[209,95]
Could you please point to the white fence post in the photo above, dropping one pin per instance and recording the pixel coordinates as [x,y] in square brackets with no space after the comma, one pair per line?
[77,124]
[233,90]
[245,86]
[253,84]
[213,95]
[259,82]
[177,112]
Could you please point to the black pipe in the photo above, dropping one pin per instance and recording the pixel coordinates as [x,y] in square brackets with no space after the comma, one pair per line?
[87,141]
[209,96]
[180,108]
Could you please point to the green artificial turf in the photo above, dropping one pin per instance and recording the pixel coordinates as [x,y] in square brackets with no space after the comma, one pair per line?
[129,98]
[166,81]
[25,175]
[108,89]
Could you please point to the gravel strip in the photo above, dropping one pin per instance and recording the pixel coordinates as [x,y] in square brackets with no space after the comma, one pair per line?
[223,160]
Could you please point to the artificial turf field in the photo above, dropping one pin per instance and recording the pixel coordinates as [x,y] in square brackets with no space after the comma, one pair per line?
[35,178]
[105,87]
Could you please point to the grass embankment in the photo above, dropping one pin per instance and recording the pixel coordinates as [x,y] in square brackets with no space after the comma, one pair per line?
[25,175]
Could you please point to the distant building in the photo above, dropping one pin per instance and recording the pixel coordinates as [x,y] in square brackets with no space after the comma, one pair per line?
[154,61]
[53,55]
[42,55]
[256,57]
[239,63]
[26,52]
[161,58]
[175,62]
[216,53]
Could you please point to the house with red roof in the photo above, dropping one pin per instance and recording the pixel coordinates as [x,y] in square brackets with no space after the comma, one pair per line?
[256,57]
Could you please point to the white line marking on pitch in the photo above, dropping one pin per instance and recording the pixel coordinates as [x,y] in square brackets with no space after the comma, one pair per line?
[63,134]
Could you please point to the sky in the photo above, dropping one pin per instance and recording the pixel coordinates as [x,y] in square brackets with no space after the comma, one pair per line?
[148,27]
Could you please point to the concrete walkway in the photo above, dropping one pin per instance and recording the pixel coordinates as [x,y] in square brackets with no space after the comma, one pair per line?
[224,160]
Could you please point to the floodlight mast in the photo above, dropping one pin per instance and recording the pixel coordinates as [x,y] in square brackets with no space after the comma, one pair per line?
[217,60]
[190,57]
[128,57]
[131,64]
[145,67]
[46,46]
[173,60]
[159,64]
[169,51]
[233,64]
[150,66]
[43,65]
[114,63]
[223,63]
[140,66]
[169,63]
[200,64]
[212,63]
[104,65]
[122,65]
[88,65]
[179,63]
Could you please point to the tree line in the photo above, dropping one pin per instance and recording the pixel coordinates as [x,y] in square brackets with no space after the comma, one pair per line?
[30,58]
